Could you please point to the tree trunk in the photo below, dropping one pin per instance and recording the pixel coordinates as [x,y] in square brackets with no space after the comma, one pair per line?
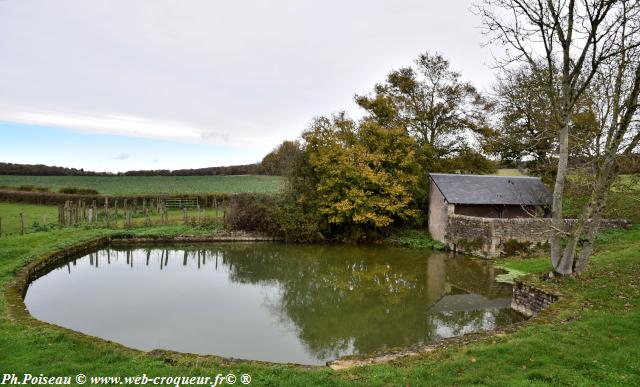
[608,174]
[559,265]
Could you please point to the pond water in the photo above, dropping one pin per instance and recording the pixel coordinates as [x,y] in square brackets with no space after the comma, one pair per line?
[273,302]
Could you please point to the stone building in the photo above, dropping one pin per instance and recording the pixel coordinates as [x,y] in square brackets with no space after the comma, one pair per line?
[482,214]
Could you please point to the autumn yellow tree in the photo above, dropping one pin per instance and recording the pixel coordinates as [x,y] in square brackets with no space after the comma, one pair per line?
[360,177]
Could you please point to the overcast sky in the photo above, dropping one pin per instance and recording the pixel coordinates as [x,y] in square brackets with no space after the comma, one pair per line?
[132,84]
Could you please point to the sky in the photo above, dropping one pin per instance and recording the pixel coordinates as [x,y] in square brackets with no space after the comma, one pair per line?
[116,85]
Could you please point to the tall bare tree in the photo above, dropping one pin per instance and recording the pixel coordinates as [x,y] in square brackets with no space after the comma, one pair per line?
[575,39]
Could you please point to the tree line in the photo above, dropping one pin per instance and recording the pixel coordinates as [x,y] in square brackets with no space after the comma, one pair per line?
[45,170]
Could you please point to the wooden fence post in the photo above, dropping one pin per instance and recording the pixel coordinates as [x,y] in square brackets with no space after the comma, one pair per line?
[106,211]
[185,215]
[65,211]
[146,213]
[164,216]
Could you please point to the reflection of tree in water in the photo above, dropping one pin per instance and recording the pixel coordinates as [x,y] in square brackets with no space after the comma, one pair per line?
[359,299]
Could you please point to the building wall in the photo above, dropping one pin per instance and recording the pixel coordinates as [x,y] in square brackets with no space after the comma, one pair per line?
[490,211]
[438,213]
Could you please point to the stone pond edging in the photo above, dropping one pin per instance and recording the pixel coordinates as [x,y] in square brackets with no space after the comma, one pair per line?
[15,290]
[41,265]
[526,299]
[529,300]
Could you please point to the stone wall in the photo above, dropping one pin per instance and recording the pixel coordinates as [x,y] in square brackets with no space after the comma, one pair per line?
[529,300]
[491,237]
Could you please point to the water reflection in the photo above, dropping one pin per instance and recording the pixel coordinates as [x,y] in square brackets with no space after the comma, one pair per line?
[286,303]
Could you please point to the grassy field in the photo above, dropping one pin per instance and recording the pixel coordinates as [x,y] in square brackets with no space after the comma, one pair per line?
[508,172]
[33,214]
[131,185]
[590,337]
[36,217]
[623,201]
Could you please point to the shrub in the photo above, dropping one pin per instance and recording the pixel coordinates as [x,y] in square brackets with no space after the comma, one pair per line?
[32,188]
[78,191]
[272,215]
[415,239]
[253,212]
[37,227]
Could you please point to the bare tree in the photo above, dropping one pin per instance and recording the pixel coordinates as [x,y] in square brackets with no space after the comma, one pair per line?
[576,40]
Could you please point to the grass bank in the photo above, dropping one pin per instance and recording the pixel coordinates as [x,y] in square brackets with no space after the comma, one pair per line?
[151,185]
[590,337]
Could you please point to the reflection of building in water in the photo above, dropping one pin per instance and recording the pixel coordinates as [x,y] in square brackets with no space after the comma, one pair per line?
[436,277]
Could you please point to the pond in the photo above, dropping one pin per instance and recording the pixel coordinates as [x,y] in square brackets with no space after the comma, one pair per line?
[304,304]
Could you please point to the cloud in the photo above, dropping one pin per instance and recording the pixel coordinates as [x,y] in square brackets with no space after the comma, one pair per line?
[107,123]
[245,75]
[122,157]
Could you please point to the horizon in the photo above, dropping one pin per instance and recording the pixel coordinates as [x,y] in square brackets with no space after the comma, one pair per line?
[204,84]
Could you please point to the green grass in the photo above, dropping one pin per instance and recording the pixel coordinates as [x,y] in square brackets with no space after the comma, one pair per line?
[590,337]
[508,172]
[415,239]
[38,216]
[10,215]
[623,200]
[133,185]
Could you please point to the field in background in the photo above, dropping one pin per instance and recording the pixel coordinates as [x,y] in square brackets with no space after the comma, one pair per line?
[138,185]
[508,172]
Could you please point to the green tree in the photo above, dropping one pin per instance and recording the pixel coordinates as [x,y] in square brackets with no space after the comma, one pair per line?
[280,161]
[431,103]
[527,127]
[359,178]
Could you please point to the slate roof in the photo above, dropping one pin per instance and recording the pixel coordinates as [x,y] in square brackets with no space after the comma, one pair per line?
[485,189]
